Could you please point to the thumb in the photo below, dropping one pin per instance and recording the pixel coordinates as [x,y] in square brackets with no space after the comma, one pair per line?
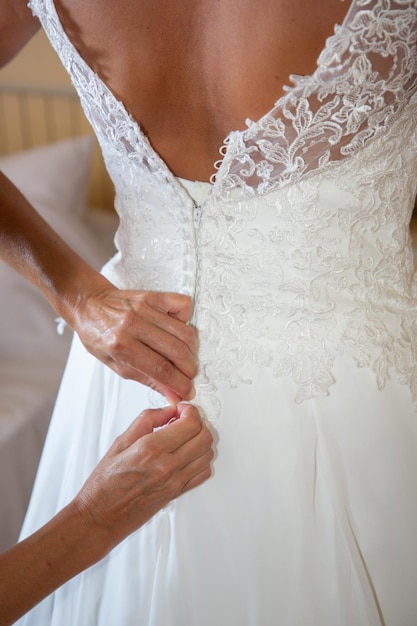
[144,424]
[175,304]
[185,427]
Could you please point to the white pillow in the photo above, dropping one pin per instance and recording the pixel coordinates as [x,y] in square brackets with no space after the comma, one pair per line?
[54,179]
[54,175]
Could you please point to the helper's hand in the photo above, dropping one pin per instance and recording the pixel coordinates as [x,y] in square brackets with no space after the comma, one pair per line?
[144,470]
[141,473]
[141,335]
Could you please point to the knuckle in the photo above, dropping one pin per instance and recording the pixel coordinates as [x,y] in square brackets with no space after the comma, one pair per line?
[158,469]
[181,351]
[145,418]
[194,423]
[114,341]
[208,443]
[164,473]
[149,450]
[189,334]
[187,299]
[207,473]
[176,485]
[152,385]
[121,370]
[118,444]
[129,318]
[187,388]
[164,370]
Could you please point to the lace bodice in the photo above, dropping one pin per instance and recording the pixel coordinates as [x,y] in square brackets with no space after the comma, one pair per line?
[301,250]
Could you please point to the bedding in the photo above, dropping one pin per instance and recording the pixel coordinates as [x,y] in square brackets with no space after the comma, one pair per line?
[54,178]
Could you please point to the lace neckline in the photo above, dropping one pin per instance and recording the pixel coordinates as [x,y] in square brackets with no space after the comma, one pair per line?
[233,134]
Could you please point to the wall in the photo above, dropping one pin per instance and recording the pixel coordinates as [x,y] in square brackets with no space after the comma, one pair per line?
[26,121]
[37,64]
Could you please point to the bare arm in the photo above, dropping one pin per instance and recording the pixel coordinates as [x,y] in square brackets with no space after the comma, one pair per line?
[142,336]
[17,26]
[140,474]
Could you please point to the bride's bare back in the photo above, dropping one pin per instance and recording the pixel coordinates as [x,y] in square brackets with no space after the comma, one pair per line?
[192,71]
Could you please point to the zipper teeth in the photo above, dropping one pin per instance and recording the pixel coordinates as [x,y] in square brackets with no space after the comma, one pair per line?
[196,219]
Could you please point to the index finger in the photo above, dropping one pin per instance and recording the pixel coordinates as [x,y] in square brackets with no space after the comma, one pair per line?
[145,424]
[176,305]
[185,427]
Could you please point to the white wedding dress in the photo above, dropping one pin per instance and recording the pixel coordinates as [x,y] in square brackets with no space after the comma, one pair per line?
[299,259]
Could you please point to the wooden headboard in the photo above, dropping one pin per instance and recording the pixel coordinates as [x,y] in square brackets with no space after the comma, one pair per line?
[33,116]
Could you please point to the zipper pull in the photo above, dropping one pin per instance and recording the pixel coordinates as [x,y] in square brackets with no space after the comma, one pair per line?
[197,215]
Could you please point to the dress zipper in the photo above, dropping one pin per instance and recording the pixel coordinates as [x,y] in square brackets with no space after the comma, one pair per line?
[197,214]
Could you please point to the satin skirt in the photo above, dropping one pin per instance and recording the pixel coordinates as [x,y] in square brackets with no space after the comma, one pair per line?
[309,519]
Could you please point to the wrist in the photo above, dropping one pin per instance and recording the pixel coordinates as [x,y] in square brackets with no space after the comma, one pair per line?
[71,298]
[90,540]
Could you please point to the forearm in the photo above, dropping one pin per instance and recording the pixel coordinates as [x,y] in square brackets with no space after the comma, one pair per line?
[154,461]
[35,567]
[33,249]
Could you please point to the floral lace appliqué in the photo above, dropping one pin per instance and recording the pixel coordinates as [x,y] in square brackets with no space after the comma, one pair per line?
[301,252]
